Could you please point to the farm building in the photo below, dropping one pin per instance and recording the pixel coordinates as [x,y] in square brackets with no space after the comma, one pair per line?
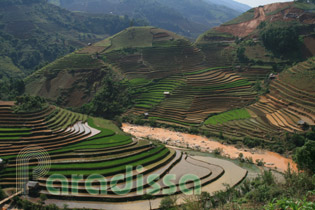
[33,188]
[272,76]
[166,93]
[301,122]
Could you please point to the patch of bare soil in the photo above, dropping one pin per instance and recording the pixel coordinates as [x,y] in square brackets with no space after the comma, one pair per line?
[245,28]
[272,159]
[309,43]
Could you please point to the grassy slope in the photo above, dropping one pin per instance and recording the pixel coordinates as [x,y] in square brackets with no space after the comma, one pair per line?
[133,37]
[237,114]
[102,123]
[249,15]
[300,76]
[80,65]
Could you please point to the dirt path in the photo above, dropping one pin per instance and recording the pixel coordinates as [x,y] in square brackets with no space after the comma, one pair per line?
[272,159]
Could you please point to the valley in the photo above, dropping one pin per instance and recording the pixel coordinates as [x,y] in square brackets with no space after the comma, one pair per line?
[99,110]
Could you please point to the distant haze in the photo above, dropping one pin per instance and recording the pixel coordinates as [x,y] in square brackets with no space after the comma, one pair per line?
[256,3]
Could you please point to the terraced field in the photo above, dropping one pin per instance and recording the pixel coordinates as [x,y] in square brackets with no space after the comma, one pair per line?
[76,145]
[153,94]
[195,95]
[203,79]
[291,99]
[228,116]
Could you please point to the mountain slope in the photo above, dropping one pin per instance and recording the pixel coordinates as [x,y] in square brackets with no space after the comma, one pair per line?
[186,17]
[275,34]
[248,22]
[290,100]
[135,52]
[34,33]
[216,84]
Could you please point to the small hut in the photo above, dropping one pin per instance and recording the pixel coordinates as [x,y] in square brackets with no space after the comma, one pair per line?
[33,188]
[167,94]
[272,76]
[146,115]
[1,163]
[301,122]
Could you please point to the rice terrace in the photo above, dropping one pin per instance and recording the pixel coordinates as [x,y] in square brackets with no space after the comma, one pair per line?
[100,110]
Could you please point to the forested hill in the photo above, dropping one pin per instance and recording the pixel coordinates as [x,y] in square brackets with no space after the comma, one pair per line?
[34,33]
[186,17]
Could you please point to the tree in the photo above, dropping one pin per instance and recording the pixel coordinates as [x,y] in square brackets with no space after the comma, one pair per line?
[241,54]
[281,38]
[251,142]
[167,203]
[10,88]
[205,200]
[298,140]
[2,195]
[42,199]
[148,197]
[305,157]
[111,100]
[310,135]
[27,103]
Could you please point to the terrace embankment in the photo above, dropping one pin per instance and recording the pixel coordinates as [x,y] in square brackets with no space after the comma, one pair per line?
[272,159]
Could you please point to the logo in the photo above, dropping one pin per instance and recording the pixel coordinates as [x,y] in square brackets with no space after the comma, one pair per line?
[37,161]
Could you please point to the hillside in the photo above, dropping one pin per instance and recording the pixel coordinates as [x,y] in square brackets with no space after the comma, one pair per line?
[260,28]
[230,116]
[78,143]
[290,100]
[144,52]
[214,85]
[185,17]
[34,33]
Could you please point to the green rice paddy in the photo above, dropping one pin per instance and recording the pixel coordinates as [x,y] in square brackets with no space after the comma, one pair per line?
[237,114]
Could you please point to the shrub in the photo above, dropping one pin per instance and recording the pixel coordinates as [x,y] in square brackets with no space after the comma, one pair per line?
[290,203]
[260,162]
[218,151]
[2,195]
[281,38]
[298,140]
[167,203]
[112,99]
[27,103]
[305,157]
[310,135]
[241,54]
[251,142]
[11,88]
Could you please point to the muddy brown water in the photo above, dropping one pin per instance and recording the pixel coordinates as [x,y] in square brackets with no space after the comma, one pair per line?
[272,159]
